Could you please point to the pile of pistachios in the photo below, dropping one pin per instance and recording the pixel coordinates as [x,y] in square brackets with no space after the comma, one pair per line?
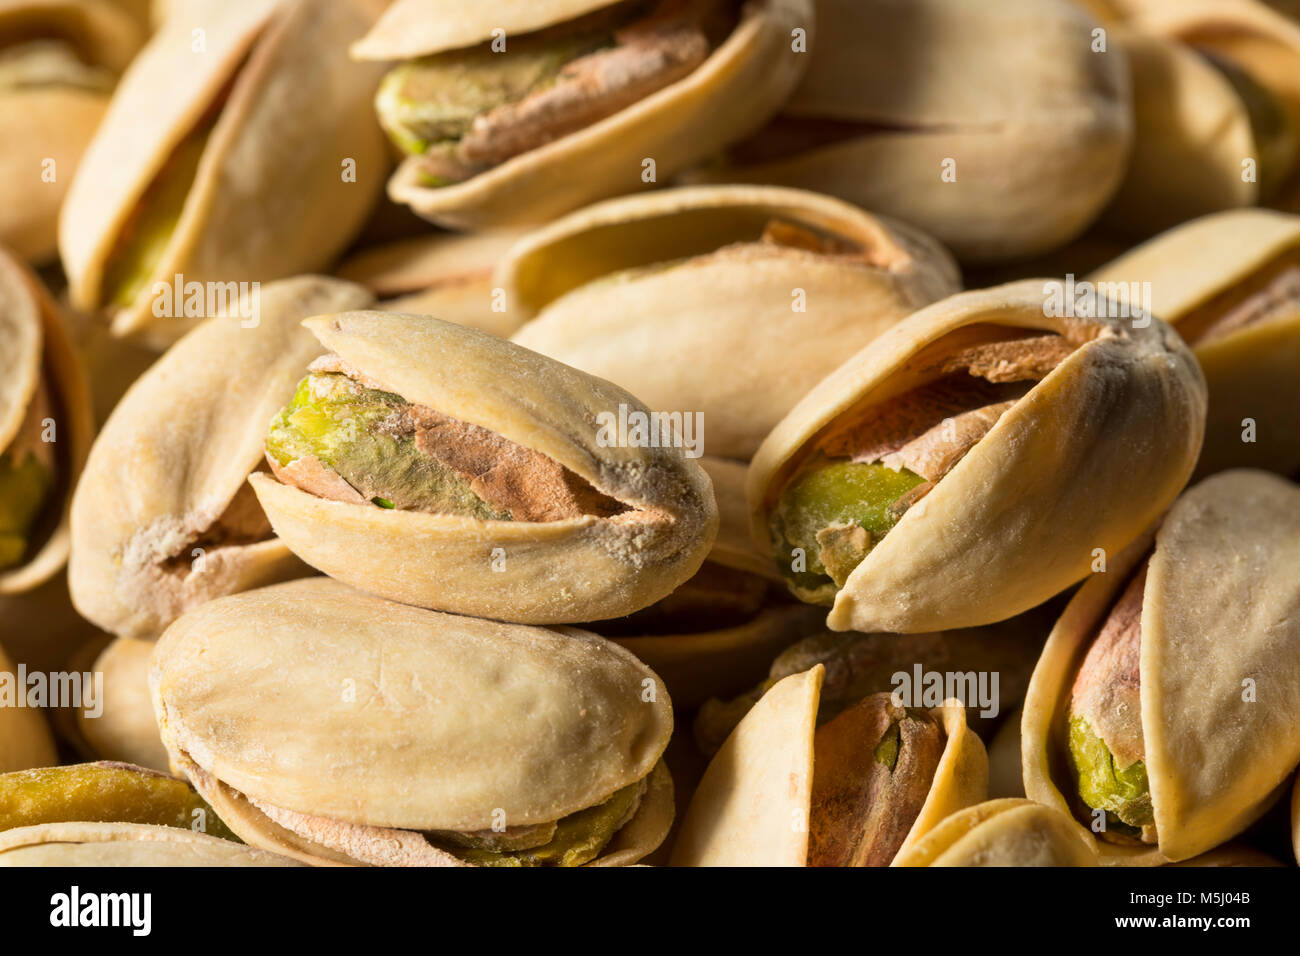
[649,432]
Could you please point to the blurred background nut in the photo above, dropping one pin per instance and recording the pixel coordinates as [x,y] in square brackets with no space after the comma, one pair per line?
[1035,121]
[222,165]
[732,300]
[1007,832]
[963,467]
[515,113]
[25,739]
[163,518]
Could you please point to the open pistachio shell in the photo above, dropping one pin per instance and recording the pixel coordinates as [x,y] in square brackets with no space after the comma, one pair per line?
[1244,263]
[1219,667]
[49,108]
[718,274]
[25,739]
[44,401]
[729,95]
[573,569]
[221,166]
[1085,459]
[1007,832]
[415,721]
[126,730]
[1022,116]
[125,844]
[753,806]
[163,519]
[446,274]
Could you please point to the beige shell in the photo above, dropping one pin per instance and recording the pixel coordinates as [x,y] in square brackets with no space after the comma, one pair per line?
[1197,271]
[1007,832]
[1008,97]
[753,803]
[38,348]
[704,328]
[124,844]
[25,739]
[126,731]
[1219,608]
[270,198]
[318,699]
[727,97]
[448,275]
[556,572]
[53,122]
[178,448]
[1017,520]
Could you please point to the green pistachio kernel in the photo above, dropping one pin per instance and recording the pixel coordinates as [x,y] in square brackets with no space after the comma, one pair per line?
[367,437]
[836,513]
[104,793]
[1120,791]
[24,486]
[886,751]
[578,838]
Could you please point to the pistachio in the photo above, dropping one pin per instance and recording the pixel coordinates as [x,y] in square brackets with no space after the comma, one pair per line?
[126,730]
[103,793]
[972,423]
[1007,832]
[493,133]
[440,466]
[442,765]
[1156,713]
[124,844]
[25,739]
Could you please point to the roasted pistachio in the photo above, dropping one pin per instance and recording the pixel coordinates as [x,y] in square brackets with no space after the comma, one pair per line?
[45,429]
[761,290]
[1158,712]
[400,736]
[124,844]
[498,106]
[857,791]
[126,730]
[1024,115]
[961,468]
[1230,286]
[1007,832]
[223,168]
[440,466]
[163,518]
[25,739]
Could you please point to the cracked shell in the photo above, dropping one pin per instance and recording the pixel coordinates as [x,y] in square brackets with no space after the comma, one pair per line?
[417,721]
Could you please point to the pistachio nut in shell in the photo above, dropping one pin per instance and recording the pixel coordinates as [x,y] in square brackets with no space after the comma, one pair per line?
[965,119]
[1006,832]
[587,99]
[125,844]
[757,292]
[963,467]
[222,167]
[59,60]
[444,274]
[1229,284]
[1161,712]
[45,429]
[25,739]
[103,792]
[855,792]
[126,730]
[336,727]
[163,518]
[441,466]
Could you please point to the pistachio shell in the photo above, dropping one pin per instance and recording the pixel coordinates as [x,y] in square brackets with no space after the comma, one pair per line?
[1215,760]
[1007,832]
[1011,92]
[1197,272]
[124,844]
[565,571]
[269,199]
[418,720]
[741,84]
[25,739]
[1017,519]
[1231,854]
[753,804]
[126,730]
[734,546]
[751,352]
[41,351]
[147,516]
